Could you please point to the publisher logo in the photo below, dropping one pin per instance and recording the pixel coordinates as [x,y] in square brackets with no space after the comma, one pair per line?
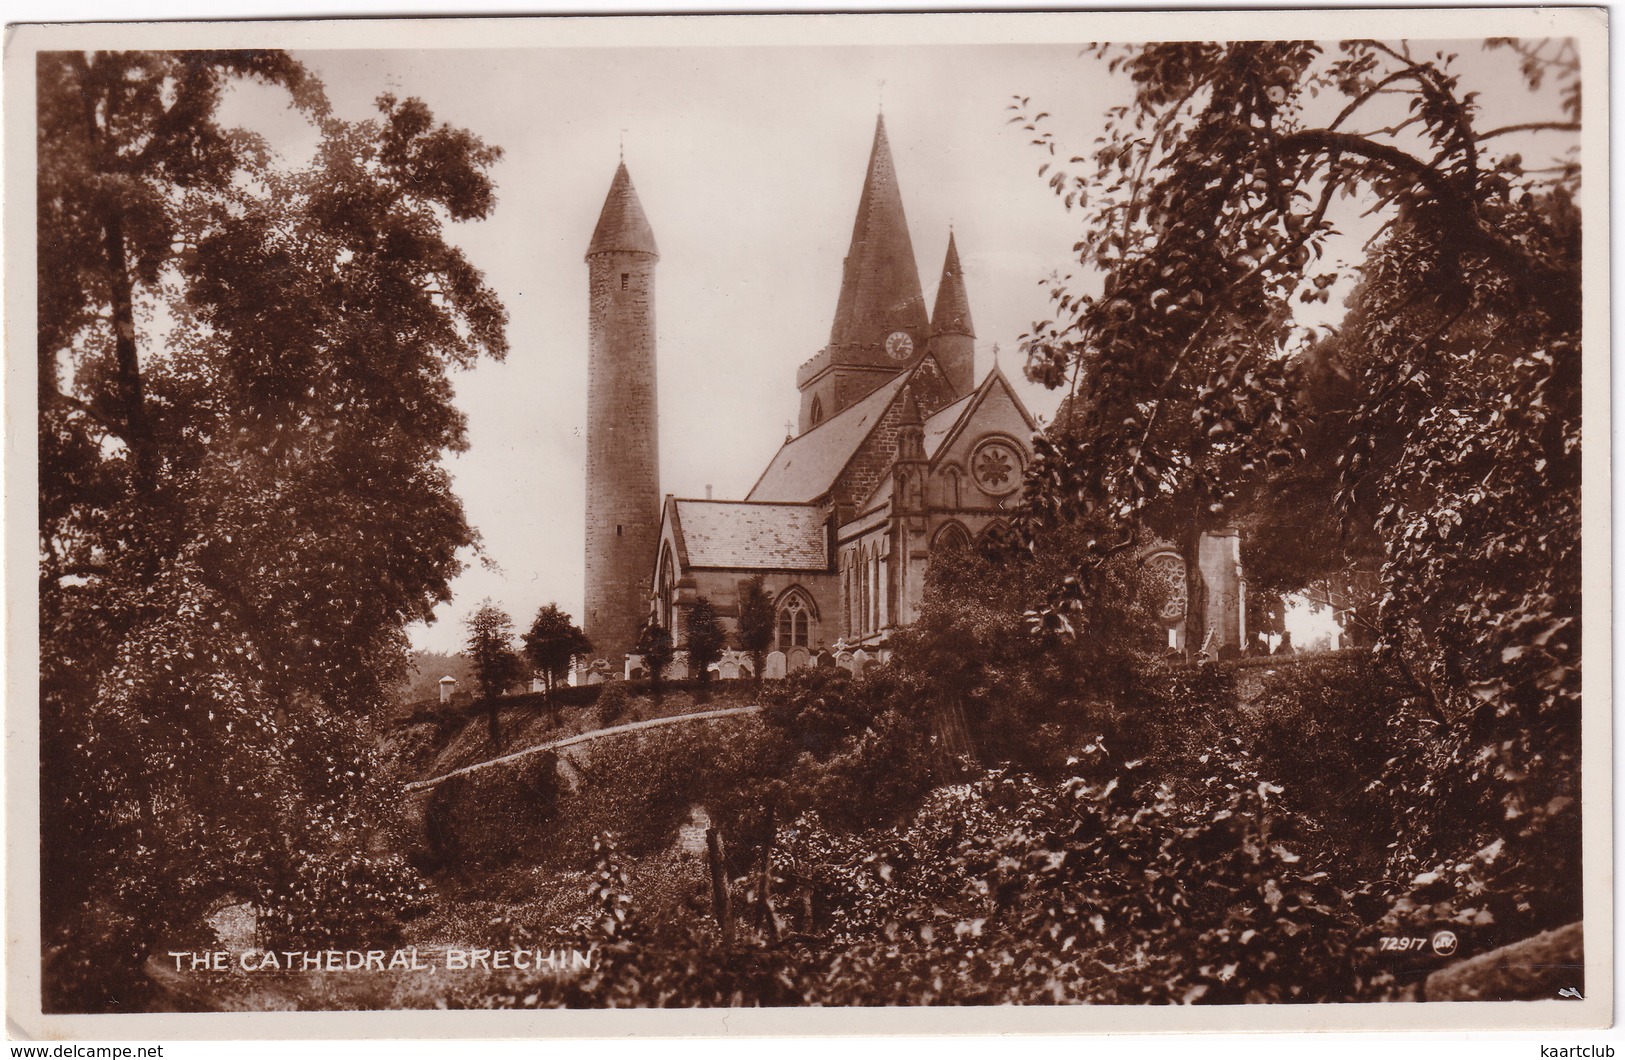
[1444,943]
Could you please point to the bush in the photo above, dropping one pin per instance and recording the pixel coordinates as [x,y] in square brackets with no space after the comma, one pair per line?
[613,698]
[493,818]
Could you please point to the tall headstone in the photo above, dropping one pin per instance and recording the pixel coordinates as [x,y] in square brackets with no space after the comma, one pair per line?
[623,453]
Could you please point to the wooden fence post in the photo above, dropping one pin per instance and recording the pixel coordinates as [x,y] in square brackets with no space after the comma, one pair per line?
[765,918]
[720,905]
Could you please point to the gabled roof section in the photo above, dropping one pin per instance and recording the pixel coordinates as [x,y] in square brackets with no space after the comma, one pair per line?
[880,280]
[937,440]
[806,467]
[742,535]
[951,315]
[668,514]
[622,225]
[938,426]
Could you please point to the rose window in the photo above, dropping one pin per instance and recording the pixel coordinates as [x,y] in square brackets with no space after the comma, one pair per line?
[996,468]
[1166,574]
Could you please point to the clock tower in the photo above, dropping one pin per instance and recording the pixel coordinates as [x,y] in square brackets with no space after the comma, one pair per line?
[880,320]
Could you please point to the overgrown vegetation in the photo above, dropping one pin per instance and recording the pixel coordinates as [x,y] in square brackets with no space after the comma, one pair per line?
[237,517]
[1024,804]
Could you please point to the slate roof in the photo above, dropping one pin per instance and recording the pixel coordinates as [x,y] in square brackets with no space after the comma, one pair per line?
[622,224]
[746,535]
[806,467]
[951,316]
[880,280]
[938,426]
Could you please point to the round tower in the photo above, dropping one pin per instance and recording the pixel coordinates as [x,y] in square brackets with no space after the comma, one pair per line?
[623,444]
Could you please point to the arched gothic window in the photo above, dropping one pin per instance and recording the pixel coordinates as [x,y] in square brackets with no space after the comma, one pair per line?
[817,413]
[950,488]
[796,621]
[952,537]
[667,594]
[849,597]
[863,591]
[877,617]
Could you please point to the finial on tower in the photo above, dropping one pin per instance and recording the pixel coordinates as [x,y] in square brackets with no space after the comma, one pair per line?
[623,145]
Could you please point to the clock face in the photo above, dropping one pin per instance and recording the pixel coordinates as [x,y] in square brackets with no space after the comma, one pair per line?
[899,345]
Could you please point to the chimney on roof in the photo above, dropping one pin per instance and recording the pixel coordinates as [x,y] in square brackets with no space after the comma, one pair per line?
[708,491]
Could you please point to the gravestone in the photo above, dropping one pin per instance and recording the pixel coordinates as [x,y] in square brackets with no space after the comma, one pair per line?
[773,666]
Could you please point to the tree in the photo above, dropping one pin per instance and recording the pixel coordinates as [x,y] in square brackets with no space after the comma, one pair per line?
[497,667]
[553,643]
[654,644]
[1213,206]
[1453,457]
[243,402]
[705,638]
[756,622]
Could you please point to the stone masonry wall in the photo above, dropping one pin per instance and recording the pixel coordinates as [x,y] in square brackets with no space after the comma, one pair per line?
[623,449]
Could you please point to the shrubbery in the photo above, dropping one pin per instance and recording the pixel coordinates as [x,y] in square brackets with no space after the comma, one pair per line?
[997,817]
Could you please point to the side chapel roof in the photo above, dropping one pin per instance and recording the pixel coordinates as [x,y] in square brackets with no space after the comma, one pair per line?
[807,466]
[743,535]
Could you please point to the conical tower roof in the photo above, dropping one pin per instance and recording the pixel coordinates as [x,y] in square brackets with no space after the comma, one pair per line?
[622,225]
[951,315]
[909,415]
[880,285]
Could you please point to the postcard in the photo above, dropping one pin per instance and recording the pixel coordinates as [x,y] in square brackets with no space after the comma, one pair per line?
[838,523]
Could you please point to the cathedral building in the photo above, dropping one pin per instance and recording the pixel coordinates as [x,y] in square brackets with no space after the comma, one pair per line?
[900,453]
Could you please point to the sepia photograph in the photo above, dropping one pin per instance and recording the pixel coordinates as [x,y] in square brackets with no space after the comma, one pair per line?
[1077,514]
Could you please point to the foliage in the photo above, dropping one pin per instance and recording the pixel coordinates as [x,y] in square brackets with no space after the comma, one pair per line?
[1230,833]
[492,818]
[704,639]
[422,684]
[497,667]
[756,621]
[1211,207]
[237,518]
[613,697]
[1016,696]
[552,643]
[655,645]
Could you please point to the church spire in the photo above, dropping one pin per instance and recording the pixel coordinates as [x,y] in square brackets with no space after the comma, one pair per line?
[951,315]
[880,283]
[622,225]
[953,338]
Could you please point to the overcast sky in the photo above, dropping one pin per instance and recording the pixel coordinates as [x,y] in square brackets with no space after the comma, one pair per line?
[749,162]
